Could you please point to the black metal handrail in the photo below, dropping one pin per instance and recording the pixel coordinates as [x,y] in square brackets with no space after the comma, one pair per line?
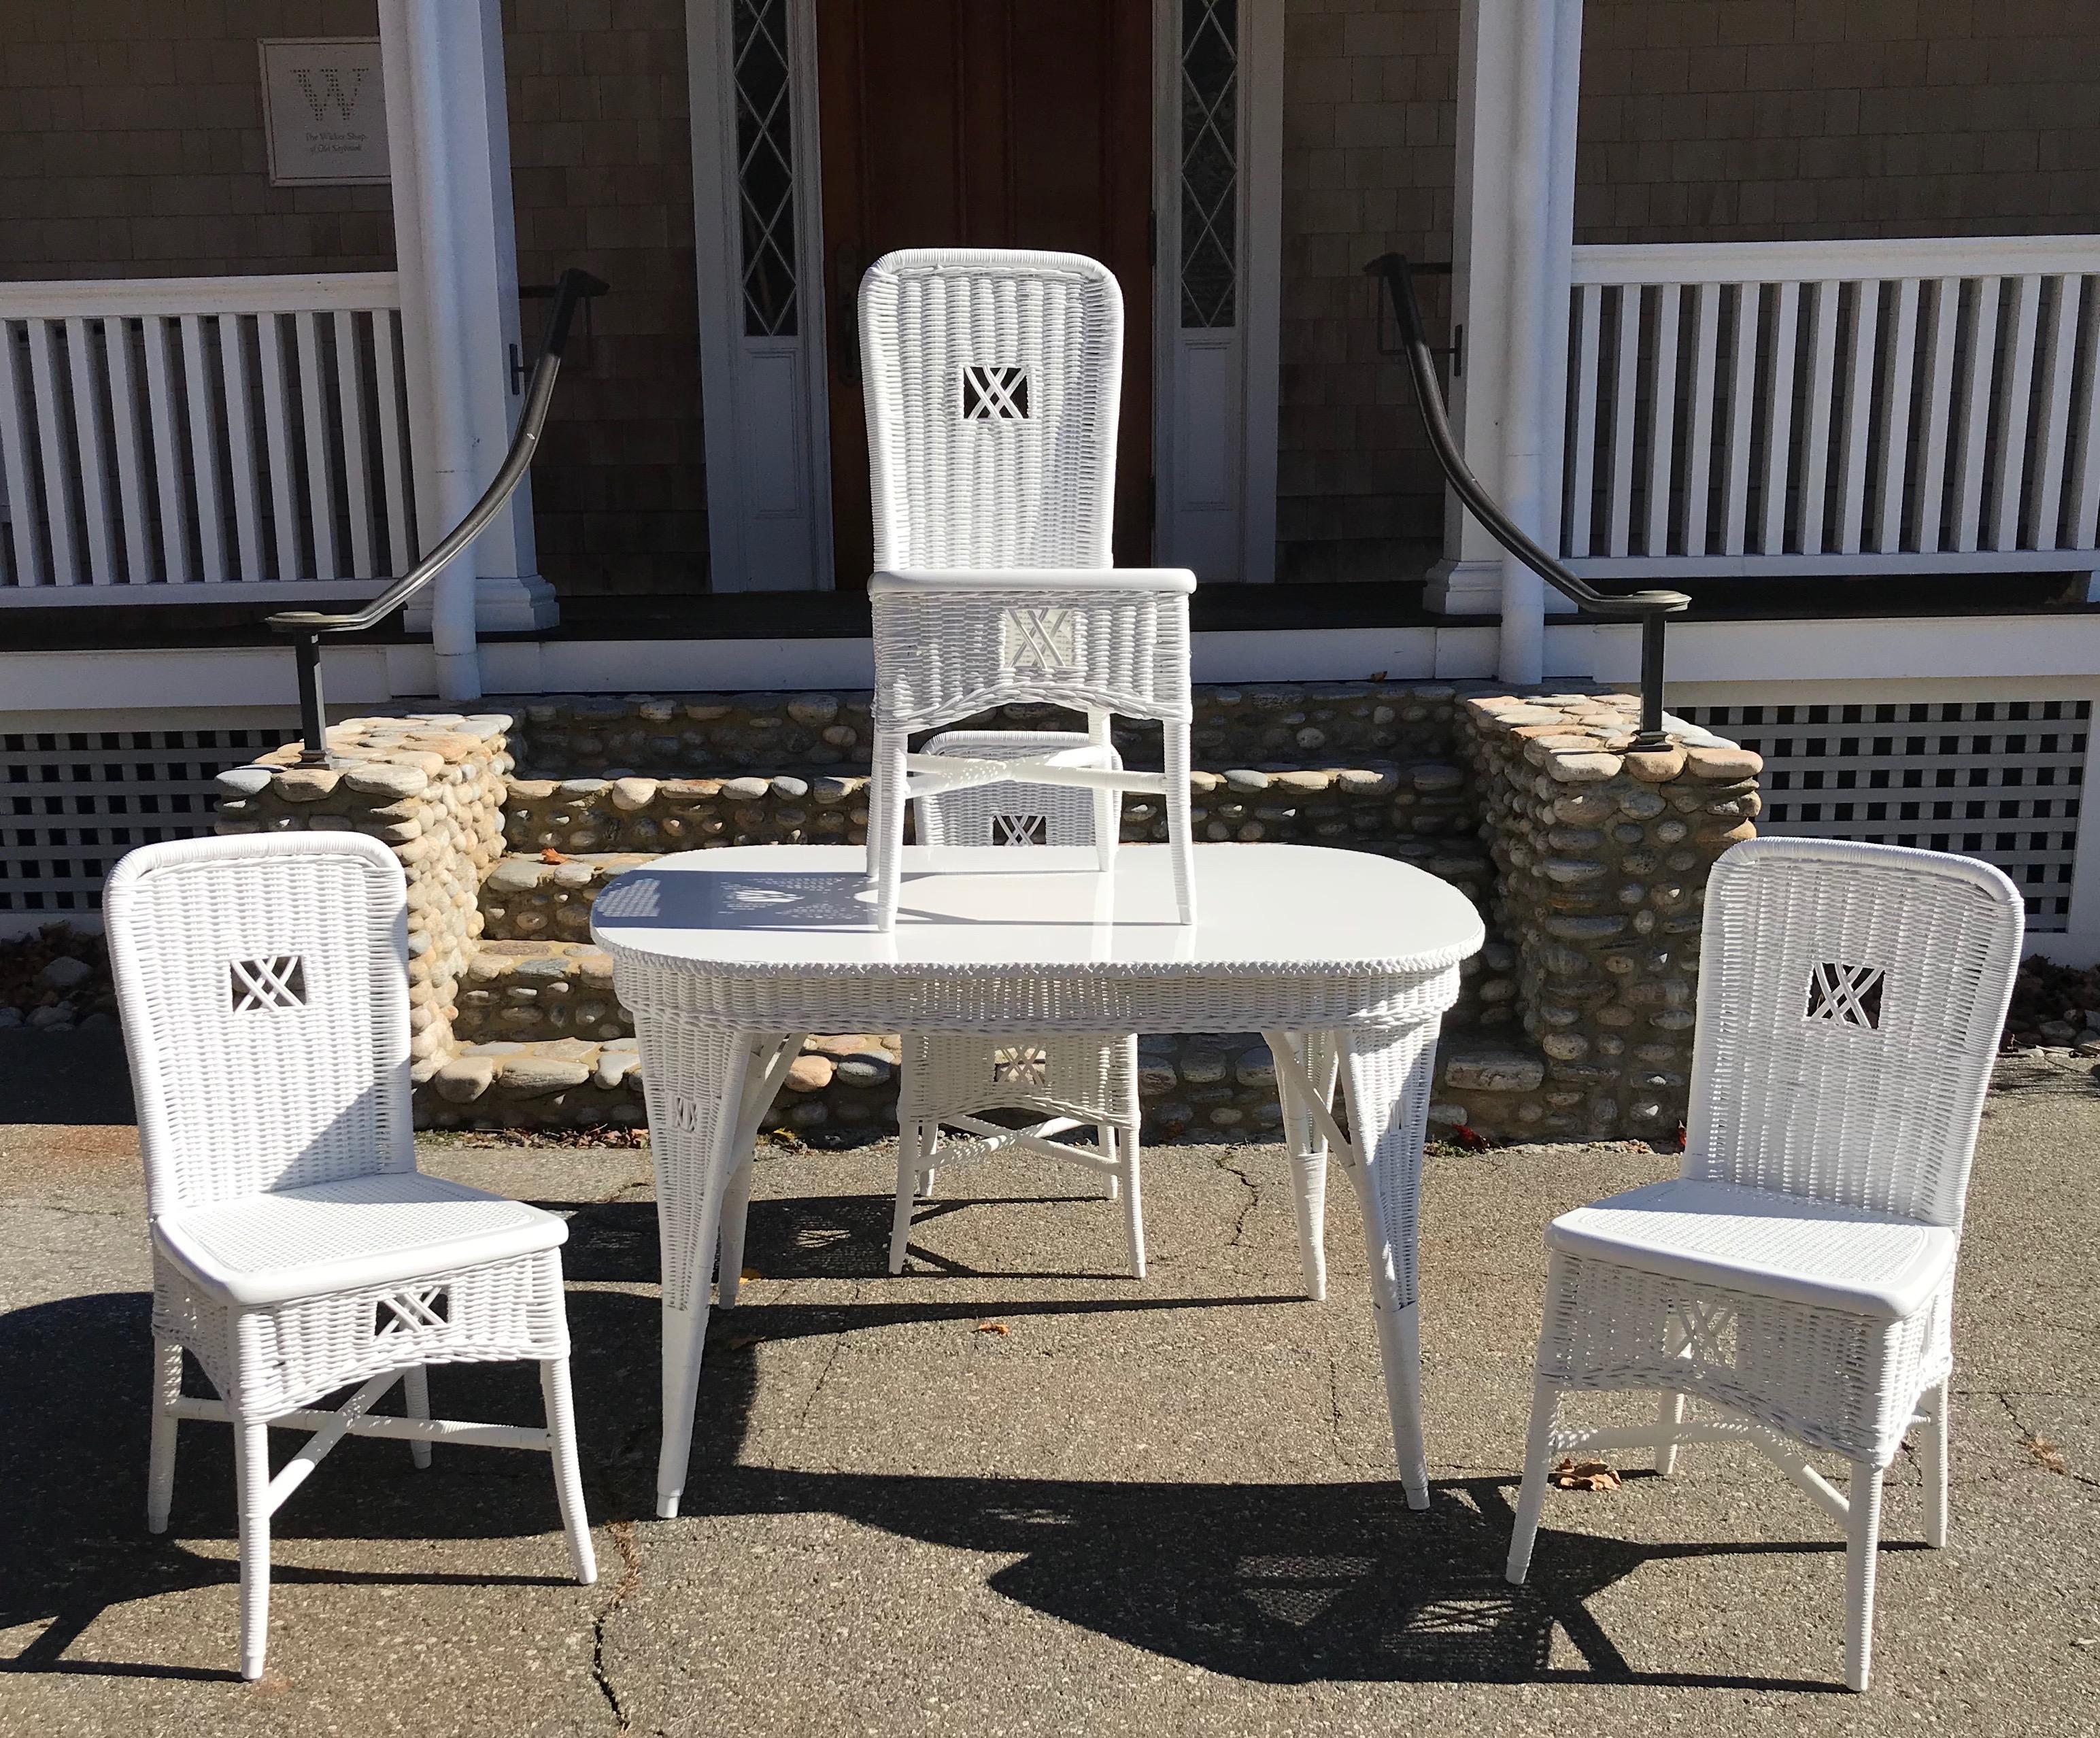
[307,626]
[1650,608]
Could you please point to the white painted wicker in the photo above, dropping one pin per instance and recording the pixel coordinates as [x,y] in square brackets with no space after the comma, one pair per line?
[1344,961]
[1798,1277]
[993,387]
[296,1249]
[1069,1081]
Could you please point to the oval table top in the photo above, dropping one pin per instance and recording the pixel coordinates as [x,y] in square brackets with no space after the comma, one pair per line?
[1264,910]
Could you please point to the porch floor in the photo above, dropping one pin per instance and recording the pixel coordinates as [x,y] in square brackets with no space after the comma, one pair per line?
[1164,1507]
[1250,609]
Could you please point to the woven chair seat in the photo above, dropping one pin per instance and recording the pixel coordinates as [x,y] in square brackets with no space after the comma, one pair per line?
[1807,1251]
[364,1231]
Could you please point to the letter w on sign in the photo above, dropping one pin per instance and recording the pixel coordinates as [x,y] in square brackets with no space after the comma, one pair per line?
[1038,640]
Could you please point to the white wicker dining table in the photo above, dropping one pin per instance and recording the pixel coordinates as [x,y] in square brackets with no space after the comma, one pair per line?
[1344,961]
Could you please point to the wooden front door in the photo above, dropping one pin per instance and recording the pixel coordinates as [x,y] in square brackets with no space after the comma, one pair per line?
[985,123]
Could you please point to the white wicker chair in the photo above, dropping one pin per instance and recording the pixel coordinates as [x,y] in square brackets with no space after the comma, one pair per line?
[993,381]
[1798,1276]
[296,1249]
[1070,1082]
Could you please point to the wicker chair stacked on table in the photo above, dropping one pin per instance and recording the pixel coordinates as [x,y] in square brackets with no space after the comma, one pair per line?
[1068,1082]
[994,383]
[1798,1277]
[296,1249]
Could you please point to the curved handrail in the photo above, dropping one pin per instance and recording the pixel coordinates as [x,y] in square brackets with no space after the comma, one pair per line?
[1650,608]
[573,287]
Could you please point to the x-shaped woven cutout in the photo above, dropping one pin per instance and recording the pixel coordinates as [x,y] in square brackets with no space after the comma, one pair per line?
[409,1312]
[1708,1330]
[1038,637]
[995,395]
[1020,1065]
[1019,829]
[279,981]
[1845,995]
[685,1115]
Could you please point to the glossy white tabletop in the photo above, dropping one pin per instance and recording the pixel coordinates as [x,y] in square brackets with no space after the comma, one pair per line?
[1265,909]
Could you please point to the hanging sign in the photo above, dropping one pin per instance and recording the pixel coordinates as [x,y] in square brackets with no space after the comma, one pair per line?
[324,111]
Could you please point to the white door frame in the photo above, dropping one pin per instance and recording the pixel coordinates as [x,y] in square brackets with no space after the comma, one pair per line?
[1216,388]
[766,399]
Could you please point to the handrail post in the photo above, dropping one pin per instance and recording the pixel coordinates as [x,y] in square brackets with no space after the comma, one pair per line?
[313,718]
[1649,607]
[1652,736]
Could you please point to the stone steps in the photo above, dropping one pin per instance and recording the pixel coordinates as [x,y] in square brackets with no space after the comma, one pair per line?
[843,1086]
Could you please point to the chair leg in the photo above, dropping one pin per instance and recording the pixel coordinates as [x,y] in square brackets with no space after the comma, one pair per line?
[416,1401]
[908,1142]
[1670,1419]
[160,1455]
[736,1210]
[1180,830]
[1106,1141]
[885,824]
[1133,1196]
[1108,804]
[251,1489]
[1531,1495]
[1937,1446]
[568,1474]
[1863,1530]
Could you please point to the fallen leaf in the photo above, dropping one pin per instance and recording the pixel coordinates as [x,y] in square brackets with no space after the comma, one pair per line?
[1586,1475]
[750,1273]
[1469,1137]
[551,855]
[991,1327]
[1377,676]
[741,1341]
[2046,1454]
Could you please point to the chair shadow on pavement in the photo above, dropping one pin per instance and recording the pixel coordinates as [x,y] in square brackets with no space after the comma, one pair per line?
[1278,1583]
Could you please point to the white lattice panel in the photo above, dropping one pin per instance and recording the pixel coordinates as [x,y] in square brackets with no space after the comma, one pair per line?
[1997,779]
[73,801]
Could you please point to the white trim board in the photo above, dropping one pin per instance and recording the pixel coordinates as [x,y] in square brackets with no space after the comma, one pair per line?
[764,400]
[1871,648]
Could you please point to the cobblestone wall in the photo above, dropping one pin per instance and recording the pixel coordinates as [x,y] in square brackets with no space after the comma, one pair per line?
[431,787]
[1588,862]
[727,735]
[1602,856]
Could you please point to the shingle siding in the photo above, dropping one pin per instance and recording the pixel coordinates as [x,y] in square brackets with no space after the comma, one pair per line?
[131,145]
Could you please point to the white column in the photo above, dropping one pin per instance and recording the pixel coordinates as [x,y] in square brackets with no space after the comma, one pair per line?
[1520,68]
[448,138]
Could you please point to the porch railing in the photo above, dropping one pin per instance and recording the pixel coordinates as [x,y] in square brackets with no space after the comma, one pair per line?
[1833,407]
[166,439]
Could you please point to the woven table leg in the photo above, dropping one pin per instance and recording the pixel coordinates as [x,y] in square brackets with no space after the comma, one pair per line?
[1388,1073]
[693,1141]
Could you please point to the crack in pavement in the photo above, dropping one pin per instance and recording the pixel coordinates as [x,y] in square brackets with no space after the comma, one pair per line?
[66,1212]
[622,1533]
[1238,1239]
[831,1363]
[2041,1448]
